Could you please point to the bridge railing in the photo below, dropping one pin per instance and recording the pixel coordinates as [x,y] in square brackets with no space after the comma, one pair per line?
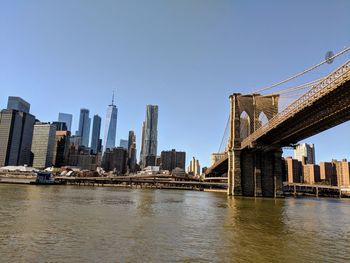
[326,85]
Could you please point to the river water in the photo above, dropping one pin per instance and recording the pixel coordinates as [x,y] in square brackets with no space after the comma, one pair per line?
[108,224]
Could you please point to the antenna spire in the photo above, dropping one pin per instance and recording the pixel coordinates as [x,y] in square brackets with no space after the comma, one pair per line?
[114,91]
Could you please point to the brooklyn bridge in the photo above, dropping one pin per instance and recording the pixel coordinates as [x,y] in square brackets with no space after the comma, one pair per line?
[252,158]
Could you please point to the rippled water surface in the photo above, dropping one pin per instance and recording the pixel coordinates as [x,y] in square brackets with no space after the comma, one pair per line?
[82,224]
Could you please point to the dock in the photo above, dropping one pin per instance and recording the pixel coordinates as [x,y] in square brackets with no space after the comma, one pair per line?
[296,189]
[159,182]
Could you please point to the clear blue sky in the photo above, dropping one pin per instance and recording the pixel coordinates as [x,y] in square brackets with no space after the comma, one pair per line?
[187,56]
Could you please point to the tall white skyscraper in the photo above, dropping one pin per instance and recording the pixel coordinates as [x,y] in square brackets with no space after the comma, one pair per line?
[194,167]
[111,126]
[307,151]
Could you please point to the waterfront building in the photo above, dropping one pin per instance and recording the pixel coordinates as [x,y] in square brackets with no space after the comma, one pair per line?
[169,160]
[95,137]
[43,144]
[335,173]
[67,119]
[17,103]
[311,173]
[88,161]
[115,160]
[194,167]
[342,171]
[111,126]
[307,151]
[16,133]
[84,127]
[149,135]
[61,148]
[124,144]
[327,172]
[132,152]
[294,170]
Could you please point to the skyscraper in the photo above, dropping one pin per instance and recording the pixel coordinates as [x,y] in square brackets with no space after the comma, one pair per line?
[142,140]
[95,137]
[67,118]
[16,132]
[172,159]
[111,126]
[84,127]
[61,148]
[17,103]
[307,151]
[132,152]
[43,144]
[150,133]
[194,167]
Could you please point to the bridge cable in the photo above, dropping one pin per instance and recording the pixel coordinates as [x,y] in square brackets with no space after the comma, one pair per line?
[304,71]
[224,135]
[295,88]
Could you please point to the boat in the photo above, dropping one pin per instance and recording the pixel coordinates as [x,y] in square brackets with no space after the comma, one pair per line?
[45,178]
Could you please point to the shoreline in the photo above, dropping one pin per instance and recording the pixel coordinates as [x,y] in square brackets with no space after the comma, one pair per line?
[165,185]
[132,185]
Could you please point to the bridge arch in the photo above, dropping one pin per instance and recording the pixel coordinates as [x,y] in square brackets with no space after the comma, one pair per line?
[245,124]
[262,120]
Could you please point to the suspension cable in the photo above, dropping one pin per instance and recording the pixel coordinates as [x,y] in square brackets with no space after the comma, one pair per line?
[225,133]
[295,88]
[304,71]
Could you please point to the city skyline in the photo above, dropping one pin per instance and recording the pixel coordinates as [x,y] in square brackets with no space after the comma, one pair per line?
[175,61]
[175,131]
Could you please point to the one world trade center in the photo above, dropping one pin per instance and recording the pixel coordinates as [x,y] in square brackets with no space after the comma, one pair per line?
[111,126]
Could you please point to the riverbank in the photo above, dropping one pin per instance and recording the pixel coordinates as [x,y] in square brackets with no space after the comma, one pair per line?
[126,182]
[169,183]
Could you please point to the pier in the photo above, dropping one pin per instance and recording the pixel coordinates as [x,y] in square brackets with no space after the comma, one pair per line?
[296,189]
[158,182]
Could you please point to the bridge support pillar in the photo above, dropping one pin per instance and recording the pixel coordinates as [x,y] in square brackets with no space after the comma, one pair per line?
[278,173]
[234,173]
[261,173]
[257,174]
[271,176]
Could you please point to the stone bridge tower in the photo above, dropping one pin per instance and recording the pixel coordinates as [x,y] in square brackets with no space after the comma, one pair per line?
[252,172]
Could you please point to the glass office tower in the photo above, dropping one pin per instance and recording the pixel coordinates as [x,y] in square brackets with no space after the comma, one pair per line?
[111,126]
